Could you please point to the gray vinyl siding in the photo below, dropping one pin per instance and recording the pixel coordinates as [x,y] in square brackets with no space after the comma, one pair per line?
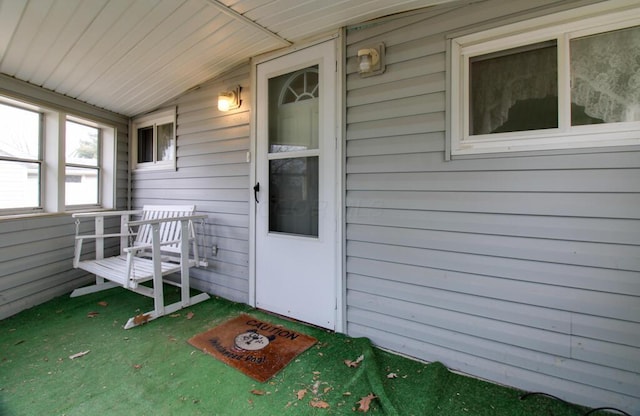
[523,269]
[212,173]
[36,251]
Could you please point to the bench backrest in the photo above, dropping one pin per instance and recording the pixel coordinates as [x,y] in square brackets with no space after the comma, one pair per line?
[169,231]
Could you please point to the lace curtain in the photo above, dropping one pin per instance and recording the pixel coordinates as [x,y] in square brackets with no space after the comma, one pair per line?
[605,79]
[605,75]
[498,83]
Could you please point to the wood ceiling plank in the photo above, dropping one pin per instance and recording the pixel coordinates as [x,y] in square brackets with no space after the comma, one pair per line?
[148,16]
[46,50]
[10,12]
[26,31]
[86,49]
[159,48]
[74,30]
[182,70]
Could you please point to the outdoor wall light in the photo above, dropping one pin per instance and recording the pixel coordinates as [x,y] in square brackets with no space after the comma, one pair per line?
[371,60]
[229,100]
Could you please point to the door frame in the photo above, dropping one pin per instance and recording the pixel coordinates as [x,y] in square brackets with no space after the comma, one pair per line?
[338,39]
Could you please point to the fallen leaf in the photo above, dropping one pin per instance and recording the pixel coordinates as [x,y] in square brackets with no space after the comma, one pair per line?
[319,404]
[392,375]
[175,315]
[365,402]
[327,390]
[315,387]
[355,363]
[301,394]
[137,366]
[93,314]
[103,303]
[190,315]
[257,392]
[141,319]
[78,355]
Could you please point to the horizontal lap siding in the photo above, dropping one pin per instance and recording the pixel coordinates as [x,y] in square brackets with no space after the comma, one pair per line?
[36,252]
[212,173]
[523,269]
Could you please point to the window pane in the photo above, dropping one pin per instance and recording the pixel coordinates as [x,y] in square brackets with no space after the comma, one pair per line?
[293,111]
[20,186]
[145,144]
[20,135]
[514,90]
[81,144]
[605,77]
[165,142]
[293,196]
[81,186]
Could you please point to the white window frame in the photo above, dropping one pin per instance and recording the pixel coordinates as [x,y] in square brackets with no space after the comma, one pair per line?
[53,163]
[153,120]
[561,27]
[98,168]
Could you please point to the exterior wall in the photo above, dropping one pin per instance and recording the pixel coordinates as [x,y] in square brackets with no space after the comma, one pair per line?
[36,252]
[522,269]
[212,173]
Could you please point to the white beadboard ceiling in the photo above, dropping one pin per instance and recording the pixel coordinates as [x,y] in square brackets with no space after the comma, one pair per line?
[130,56]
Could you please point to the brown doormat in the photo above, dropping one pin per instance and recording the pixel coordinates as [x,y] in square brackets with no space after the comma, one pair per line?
[257,348]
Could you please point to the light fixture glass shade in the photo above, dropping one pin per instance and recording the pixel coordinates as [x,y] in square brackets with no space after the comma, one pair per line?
[229,100]
[371,60]
[365,63]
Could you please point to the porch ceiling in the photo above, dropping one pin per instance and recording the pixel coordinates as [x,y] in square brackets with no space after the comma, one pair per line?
[130,56]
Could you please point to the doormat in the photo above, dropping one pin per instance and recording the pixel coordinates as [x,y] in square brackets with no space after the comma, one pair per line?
[257,348]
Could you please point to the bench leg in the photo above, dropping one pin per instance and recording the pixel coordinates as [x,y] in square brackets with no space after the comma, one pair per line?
[169,309]
[93,289]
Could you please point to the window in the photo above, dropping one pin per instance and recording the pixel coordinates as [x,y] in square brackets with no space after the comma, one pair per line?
[20,158]
[37,176]
[154,141]
[82,170]
[542,84]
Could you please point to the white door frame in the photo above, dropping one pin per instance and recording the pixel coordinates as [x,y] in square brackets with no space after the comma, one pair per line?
[338,39]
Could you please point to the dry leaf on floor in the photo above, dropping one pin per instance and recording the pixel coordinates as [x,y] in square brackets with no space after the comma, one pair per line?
[78,355]
[103,303]
[355,363]
[190,315]
[315,387]
[137,366]
[257,392]
[365,402]
[301,393]
[319,404]
[175,315]
[93,314]
[140,319]
[392,375]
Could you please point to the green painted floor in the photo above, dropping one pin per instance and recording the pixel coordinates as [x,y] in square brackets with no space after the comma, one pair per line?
[152,370]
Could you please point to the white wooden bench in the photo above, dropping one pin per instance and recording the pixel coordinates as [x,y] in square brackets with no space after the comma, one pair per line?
[161,242]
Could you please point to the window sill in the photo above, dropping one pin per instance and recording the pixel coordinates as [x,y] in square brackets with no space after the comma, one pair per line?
[555,141]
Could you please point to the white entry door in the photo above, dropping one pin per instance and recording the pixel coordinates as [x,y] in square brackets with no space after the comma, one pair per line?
[296,247]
